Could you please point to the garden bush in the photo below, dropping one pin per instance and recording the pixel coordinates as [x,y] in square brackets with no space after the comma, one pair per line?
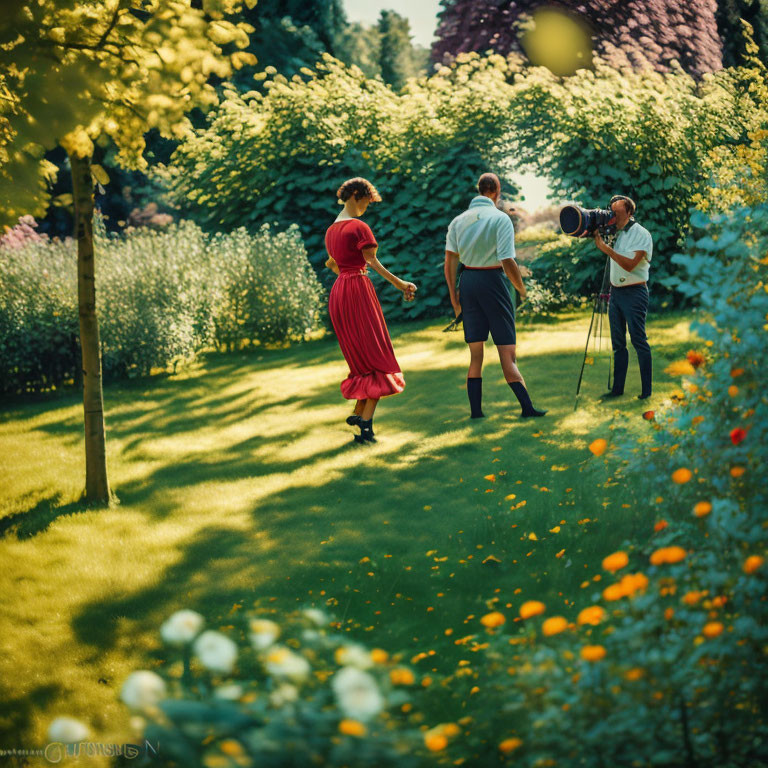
[162,296]
[667,666]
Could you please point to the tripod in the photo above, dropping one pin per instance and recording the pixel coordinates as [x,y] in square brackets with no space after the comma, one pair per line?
[597,324]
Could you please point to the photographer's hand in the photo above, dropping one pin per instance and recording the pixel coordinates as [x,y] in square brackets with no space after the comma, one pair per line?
[599,242]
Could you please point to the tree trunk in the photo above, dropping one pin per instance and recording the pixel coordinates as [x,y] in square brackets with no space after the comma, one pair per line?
[96,483]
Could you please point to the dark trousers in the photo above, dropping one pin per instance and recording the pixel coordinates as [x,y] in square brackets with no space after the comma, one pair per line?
[628,308]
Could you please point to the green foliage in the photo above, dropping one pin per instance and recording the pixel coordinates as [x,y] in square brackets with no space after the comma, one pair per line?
[396,54]
[287,152]
[291,694]
[671,669]
[163,296]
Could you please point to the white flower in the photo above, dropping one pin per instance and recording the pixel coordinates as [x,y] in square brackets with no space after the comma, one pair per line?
[316,616]
[283,694]
[143,690]
[263,633]
[353,655]
[357,694]
[283,663]
[215,651]
[182,627]
[229,692]
[67,730]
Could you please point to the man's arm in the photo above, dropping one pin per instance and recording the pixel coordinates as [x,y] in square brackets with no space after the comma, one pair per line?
[623,261]
[512,271]
[451,265]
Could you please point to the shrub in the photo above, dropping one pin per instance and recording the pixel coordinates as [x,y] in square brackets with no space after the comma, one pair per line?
[162,297]
[290,694]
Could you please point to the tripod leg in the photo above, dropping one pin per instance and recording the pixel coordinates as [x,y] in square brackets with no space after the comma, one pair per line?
[586,346]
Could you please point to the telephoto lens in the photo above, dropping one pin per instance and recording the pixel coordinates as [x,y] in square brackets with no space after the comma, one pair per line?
[582,222]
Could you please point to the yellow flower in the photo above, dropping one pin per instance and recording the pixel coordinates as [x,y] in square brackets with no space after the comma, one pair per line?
[379,656]
[351,728]
[598,447]
[435,741]
[593,652]
[682,475]
[510,745]
[712,629]
[753,563]
[401,676]
[702,509]
[554,625]
[593,615]
[531,608]
[680,368]
[615,562]
[668,555]
[231,747]
[493,619]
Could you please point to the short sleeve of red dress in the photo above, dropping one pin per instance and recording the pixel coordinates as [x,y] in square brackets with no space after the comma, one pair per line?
[365,238]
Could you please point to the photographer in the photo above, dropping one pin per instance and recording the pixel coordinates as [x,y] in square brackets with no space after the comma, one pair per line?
[628,306]
[482,238]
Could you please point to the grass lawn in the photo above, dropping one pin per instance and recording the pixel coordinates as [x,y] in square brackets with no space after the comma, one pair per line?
[238,484]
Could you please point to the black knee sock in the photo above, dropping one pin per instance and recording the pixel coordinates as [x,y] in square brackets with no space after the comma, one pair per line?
[475,394]
[525,401]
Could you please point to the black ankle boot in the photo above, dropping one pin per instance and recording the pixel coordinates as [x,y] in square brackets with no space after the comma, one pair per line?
[366,432]
[521,393]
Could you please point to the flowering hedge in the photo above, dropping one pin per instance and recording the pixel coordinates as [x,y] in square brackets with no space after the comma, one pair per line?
[162,297]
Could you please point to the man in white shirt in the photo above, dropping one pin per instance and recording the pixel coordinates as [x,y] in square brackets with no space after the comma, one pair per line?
[628,306]
[482,239]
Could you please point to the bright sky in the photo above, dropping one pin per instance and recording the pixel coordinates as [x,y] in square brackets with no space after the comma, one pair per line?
[422,14]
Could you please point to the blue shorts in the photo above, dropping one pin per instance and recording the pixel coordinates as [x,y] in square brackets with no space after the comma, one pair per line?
[486,306]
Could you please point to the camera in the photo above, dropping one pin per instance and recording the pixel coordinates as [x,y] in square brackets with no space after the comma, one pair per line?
[584,222]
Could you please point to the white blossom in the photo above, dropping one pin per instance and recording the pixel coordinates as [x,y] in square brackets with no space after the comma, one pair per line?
[263,633]
[357,693]
[283,663]
[316,616]
[283,694]
[182,627]
[215,651]
[142,690]
[67,730]
[228,692]
[353,655]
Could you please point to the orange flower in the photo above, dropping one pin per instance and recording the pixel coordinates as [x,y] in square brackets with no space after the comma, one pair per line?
[615,562]
[702,509]
[668,555]
[593,652]
[594,614]
[682,475]
[649,415]
[695,358]
[490,478]
[680,368]
[753,563]
[660,525]
[493,619]
[379,656]
[231,747]
[598,446]
[629,584]
[737,471]
[509,745]
[733,390]
[554,625]
[531,608]
[351,728]
[712,629]
[736,372]
[634,674]
[692,597]
[669,613]
[435,741]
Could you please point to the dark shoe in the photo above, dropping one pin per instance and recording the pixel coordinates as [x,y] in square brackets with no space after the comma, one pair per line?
[480,415]
[643,396]
[366,437]
[532,414]
[610,395]
[353,420]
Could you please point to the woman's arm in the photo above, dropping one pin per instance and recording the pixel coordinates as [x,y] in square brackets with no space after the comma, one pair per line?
[369,254]
[331,264]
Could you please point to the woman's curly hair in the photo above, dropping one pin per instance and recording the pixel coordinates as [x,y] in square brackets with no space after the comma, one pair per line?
[359,187]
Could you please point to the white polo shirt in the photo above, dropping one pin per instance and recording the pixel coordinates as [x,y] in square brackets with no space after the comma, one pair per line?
[636,238]
[482,235]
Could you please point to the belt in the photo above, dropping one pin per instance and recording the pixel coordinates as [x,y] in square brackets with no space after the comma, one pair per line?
[352,272]
[631,285]
[499,267]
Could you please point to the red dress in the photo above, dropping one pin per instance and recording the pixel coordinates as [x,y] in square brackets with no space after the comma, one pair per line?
[357,317]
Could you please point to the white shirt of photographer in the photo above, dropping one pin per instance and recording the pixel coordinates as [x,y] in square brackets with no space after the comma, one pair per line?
[636,238]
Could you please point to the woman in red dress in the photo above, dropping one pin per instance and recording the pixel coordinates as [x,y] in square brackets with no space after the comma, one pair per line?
[355,310]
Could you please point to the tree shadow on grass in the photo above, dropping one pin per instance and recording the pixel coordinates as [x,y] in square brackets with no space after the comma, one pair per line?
[17,712]
[25,525]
